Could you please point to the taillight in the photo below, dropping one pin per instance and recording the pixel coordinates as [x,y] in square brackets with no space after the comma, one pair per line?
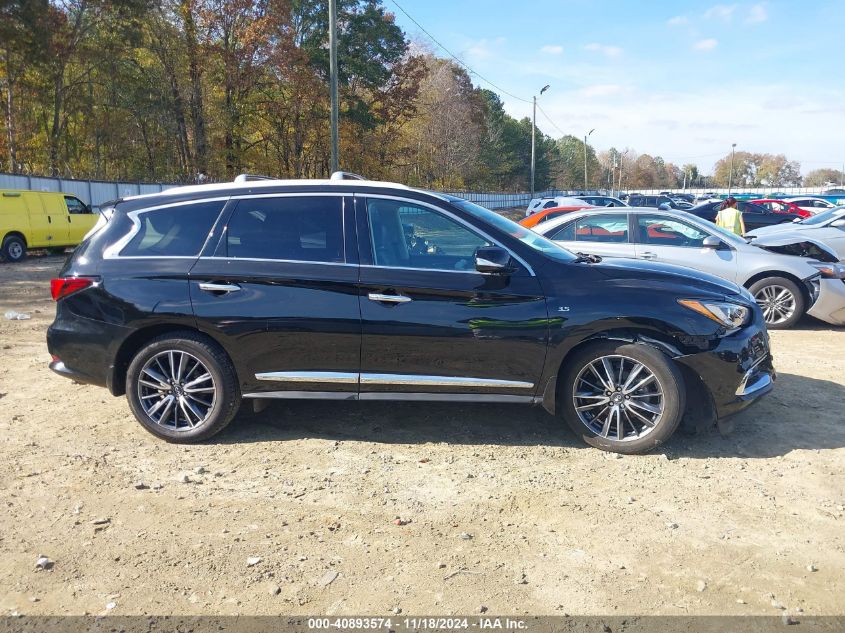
[65,286]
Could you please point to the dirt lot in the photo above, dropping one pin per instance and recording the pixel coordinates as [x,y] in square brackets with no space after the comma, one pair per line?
[507,510]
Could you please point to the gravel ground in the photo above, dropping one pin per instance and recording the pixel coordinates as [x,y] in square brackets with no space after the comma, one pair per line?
[294,509]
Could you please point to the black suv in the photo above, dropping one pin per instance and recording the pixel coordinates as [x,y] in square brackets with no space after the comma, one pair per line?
[190,300]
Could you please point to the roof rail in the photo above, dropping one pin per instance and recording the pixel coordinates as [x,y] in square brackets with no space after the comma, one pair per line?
[251,177]
[346,175]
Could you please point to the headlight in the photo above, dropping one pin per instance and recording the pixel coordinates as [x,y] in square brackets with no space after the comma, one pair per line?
[730,315]
[831,271]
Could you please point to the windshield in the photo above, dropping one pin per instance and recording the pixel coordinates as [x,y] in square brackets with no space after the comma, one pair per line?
[824,216]
[528,237]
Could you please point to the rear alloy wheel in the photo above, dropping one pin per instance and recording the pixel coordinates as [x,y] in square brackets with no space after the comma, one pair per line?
[14,249]
[622,397]
[182,388]
[781,301]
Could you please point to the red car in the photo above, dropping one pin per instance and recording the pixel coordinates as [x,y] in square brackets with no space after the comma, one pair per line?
[781,206]
[547,214]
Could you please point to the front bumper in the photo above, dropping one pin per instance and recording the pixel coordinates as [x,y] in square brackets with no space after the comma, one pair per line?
[738,371]
[830,304]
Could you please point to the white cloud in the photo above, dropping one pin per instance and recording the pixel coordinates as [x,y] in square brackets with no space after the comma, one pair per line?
[706,44]
[552,49]
[721,12]
[601,90]
[678,20]
[483,49]
[757,14]
[608,51]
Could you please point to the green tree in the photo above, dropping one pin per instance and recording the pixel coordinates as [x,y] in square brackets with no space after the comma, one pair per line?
[821,177]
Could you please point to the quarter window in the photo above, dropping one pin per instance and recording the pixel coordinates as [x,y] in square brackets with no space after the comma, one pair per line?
[664,231]
[405,235]
[178,231]
[307,228]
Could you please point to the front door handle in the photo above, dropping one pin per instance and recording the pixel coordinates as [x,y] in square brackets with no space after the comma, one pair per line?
[219,287]
[648,255]
[375,296]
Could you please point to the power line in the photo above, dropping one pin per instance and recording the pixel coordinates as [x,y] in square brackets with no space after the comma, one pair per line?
[455,57]
[548,118]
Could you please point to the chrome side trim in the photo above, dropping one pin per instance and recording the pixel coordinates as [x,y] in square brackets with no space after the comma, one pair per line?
[393,395]
[457,219]
[277,261]
[440,381]
[448,397]
[761,382]
[304,395]
[336,377]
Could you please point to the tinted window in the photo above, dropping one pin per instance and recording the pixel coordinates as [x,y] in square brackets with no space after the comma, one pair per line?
[76,206]
[550,204]
[409,236]
[664,231]
[307,228]
[566,233]
[173,232]
[602,228]
[748,207]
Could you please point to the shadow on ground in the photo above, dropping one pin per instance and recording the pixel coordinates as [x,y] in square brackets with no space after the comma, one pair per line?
[801,413]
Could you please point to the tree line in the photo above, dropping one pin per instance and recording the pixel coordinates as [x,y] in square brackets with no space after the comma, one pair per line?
[173,90]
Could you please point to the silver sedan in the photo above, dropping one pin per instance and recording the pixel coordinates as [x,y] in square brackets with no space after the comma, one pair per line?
[788,277]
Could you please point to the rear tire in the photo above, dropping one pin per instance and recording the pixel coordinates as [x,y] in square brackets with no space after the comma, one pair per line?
[182,387]
[638,388]
[13,249]
[781,300]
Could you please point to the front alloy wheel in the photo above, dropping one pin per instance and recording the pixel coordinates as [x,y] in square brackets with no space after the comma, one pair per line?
[781,301]
[618,398]
[621,397]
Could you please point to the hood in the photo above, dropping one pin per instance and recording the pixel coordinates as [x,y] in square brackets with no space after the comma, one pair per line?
[794,243]
[784,227]
[652,274]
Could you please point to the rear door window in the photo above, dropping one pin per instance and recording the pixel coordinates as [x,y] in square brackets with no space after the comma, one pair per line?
[608,229]
[666,231]
[292,228]
[178,231]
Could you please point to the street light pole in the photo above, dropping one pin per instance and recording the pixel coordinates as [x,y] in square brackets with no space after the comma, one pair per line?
[533,128]
[731,172]
[333,83]
[586,136]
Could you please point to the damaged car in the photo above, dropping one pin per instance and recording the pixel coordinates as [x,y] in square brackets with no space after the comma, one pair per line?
[788,275]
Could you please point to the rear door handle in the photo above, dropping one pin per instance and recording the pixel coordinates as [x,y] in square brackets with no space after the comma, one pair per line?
[648,255]
[375,296]
[219,287]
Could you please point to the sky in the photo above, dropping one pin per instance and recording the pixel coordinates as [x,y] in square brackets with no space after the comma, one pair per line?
[682,80]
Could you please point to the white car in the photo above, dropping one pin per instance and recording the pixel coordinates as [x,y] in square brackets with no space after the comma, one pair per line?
[827,227]
[788,277]
[811,204]
[538,204]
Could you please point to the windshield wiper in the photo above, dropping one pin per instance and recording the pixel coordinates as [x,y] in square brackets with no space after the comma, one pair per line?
[585,257]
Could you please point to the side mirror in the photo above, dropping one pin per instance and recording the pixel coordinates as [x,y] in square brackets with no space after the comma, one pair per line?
[664,206]
[840,223]
[711,241]
[493,259]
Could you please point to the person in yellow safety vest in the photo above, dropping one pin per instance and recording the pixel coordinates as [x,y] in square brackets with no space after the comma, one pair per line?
[730,218]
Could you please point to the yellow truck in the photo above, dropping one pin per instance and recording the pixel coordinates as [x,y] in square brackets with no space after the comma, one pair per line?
[41,219]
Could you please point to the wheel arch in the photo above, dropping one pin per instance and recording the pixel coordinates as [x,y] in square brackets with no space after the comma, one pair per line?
[700,410]
[805,291]
[135,341]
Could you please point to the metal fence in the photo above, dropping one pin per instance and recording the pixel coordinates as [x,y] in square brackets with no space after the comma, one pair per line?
[96,192]
[89,191]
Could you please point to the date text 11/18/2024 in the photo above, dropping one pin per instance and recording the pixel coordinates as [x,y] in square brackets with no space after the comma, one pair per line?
[417,623]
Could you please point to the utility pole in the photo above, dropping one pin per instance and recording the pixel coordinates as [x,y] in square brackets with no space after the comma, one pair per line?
[586,136]
[335,160]
[731,172]
[533,128]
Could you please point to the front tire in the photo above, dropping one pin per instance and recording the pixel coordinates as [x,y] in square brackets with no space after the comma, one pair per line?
[182,388]
[13,249]
[781,301]
[622,397]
